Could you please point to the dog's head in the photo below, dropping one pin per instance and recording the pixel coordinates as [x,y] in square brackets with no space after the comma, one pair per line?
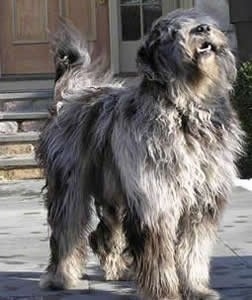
[188,46]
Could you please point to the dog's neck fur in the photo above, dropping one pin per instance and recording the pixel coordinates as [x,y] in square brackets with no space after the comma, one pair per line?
[183,97]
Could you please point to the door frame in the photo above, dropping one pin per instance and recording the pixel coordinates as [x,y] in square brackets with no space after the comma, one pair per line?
[114,27]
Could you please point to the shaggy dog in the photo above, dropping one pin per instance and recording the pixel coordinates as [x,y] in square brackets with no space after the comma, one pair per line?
[157,158]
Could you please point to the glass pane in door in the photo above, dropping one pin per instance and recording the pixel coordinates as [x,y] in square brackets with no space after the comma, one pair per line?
[131,23]
[151,1]
[150,14]
[128,2]
[137,17]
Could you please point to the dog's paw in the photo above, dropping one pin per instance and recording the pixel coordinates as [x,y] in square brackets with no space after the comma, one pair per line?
[202,295]
[56,281]
[177,297]
[116,268]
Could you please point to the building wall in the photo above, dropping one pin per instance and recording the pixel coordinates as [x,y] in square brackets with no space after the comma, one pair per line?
[219,9]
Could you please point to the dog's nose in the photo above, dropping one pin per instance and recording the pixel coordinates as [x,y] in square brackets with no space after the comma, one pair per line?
[203,28]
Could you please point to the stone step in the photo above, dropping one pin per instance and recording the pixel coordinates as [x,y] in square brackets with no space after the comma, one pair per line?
[19,137]
[24,95]
[18,143]
[21,116]
[17,161]
[17,156]
[21,173]
[16,149]
[19,167]
[23,101]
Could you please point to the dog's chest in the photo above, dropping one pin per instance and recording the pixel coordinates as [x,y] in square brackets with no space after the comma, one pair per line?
[195,133]
[199,144]
[193,150]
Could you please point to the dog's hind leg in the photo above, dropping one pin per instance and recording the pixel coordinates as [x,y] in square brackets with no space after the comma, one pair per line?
[109,244]
[193,258]
[68,218]
[153,250]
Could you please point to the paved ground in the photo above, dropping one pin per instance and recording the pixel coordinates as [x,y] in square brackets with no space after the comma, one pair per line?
[24,251]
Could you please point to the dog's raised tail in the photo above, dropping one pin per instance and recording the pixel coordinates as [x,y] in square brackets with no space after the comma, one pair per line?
[69,48]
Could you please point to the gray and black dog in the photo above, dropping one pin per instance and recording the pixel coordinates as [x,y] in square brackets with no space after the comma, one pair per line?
[157,158]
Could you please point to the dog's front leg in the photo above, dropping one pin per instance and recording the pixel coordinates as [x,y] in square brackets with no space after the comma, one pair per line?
[153,249]
[193,256]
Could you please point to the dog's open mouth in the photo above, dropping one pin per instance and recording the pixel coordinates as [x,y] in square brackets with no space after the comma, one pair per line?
[206,48]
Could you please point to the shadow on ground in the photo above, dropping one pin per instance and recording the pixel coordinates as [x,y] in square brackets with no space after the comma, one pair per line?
[25,285]
[232,276]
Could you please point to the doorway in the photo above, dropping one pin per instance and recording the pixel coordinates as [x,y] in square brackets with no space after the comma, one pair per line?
[130,20]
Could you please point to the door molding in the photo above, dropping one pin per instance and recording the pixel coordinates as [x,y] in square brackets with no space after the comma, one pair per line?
[114,27]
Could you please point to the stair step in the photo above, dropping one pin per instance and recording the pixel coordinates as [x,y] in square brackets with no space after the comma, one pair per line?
[19,137]
[16,116]
[27,112]
[45,94]
[18,161]
[21,174]
[19,167]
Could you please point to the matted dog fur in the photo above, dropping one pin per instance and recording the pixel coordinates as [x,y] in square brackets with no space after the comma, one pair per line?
[158,158]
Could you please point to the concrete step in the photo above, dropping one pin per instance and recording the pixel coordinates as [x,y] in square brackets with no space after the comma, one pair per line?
[17,156]
[20,174]
[26,109]
[21,116]
[22,166]
[17,161]
[16,149]
[18,143]
[19,137]
[22,121]
[23,101]
[24,95]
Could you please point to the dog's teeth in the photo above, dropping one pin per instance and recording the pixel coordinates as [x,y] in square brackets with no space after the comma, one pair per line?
[201,50]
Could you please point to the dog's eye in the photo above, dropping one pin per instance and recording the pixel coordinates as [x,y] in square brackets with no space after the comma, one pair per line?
[174,33]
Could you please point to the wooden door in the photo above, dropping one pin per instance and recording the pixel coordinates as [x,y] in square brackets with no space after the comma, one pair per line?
[24,24]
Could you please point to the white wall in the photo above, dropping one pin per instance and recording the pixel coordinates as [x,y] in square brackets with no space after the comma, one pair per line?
[219,9]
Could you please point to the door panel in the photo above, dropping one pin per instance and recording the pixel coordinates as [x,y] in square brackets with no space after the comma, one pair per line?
[24,25]
[82,15]
[29,27]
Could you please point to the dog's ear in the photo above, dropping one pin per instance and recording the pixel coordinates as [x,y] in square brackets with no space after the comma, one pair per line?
[161,34]
[145,54]
[145,61]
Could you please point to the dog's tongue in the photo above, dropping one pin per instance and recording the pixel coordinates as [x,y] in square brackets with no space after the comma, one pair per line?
[204,48]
